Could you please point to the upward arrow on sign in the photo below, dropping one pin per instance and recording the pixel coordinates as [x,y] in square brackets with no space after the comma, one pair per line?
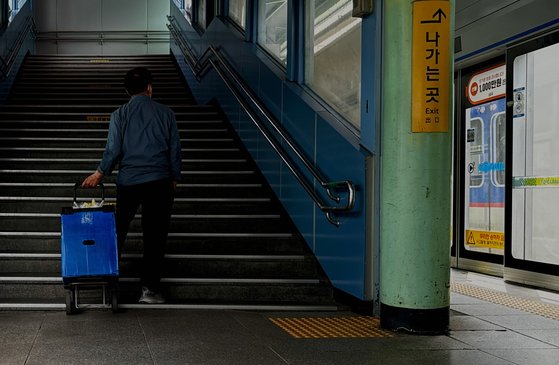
[437,17]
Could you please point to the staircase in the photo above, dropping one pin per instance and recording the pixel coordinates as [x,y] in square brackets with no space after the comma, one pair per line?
[230,244]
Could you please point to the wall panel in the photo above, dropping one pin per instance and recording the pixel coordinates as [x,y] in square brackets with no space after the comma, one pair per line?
[101,16]
[83,15]
[124,15]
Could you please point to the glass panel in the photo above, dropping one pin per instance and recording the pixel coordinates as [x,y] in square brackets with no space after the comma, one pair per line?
[201,21]
[237,12]
[272,27]
[333,56]
[14,6]
[475,147]
[185,6]
[484,194]
[535,156]
[11,12]
[179,4]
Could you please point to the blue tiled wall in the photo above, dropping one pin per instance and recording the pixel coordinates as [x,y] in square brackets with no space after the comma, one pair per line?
[341,251]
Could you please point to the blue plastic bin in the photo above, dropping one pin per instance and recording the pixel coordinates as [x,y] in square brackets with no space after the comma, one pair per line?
[88,243]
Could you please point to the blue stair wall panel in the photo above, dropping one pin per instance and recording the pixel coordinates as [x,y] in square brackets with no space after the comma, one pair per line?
[341,251]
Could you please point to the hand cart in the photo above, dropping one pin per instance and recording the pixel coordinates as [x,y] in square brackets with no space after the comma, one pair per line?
[89,252]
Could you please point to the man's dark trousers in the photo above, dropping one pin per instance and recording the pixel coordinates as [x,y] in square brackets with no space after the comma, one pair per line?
[156,199]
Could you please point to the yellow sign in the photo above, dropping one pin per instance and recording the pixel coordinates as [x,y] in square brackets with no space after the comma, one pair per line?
[485,239]
[431,66]
[98,118]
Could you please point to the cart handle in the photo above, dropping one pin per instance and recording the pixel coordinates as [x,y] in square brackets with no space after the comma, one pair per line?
[78,185]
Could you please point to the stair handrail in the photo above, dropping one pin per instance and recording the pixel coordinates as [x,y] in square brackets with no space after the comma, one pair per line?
[210,56]
[8,62]
[104,36]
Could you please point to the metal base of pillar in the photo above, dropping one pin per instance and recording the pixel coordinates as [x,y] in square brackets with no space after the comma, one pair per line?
[415,321]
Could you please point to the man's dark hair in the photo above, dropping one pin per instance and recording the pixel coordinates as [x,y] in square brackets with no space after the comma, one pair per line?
[137,80]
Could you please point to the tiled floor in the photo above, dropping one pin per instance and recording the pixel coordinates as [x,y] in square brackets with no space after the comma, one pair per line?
[481,333]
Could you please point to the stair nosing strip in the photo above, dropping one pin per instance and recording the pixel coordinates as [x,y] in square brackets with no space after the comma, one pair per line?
[171,306]
[185,173]
[216,121]
[58,279]
[173,234]
[99,130]
[95,114]
[17,184]
[40,306]
[87,149]
[246,307]
[26,159]
[95,139]
[48,106]
[48,198]
[173,216]
[9,255]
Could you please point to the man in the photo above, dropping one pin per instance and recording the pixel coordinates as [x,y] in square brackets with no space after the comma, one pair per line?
[144,141]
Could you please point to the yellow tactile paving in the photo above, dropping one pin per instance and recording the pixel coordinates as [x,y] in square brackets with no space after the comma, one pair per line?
[369,327]
[332,327]
[493,296]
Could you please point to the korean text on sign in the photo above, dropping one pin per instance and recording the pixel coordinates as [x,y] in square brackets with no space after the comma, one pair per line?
[431,66]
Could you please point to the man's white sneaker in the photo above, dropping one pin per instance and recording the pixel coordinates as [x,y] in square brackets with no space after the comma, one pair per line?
[149,297]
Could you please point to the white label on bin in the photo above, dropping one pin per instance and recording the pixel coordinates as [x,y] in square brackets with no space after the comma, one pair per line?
[87,218]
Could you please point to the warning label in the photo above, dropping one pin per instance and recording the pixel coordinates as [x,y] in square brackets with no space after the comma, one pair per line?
[485,239]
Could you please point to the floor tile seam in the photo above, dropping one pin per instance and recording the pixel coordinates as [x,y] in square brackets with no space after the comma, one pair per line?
[278,354]
[498,357]
[535,339]
[517,332]
[475,348]
[35,339]
[525,304]
[145,338]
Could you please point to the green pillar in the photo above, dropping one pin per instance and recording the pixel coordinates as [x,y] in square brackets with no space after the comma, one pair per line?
[415,188]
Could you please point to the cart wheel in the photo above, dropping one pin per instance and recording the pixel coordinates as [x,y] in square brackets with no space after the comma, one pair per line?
[70,302]
[114,300]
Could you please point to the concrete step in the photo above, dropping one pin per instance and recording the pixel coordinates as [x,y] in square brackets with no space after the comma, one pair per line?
[197,205]
[185,133]
[100,125]
[179,223]
[66,190]
[73,176]
[86,109]
[93,116]
[188,165]
[99,142]
[112,98]
[178,265]
[187,245]
[183,290]
[97,153]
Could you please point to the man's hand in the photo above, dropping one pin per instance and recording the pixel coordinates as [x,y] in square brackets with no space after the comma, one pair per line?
[92,180]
